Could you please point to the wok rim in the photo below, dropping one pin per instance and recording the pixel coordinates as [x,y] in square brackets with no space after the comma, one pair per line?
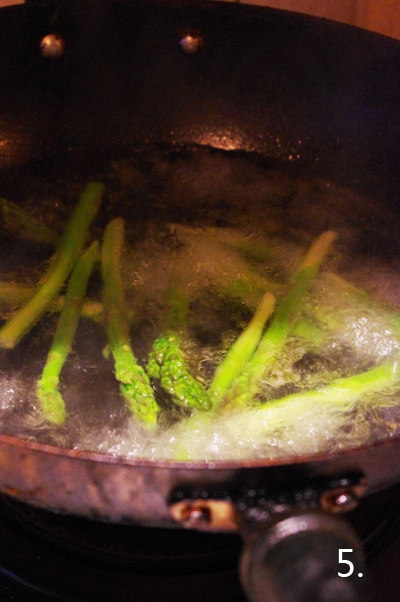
[196,465]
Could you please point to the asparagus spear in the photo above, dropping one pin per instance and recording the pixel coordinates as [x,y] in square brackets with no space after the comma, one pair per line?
[177,309]
[69,248]
[242,350]
[342,394]
[135,385]
[341,391]
[246,385]
[20,222]
[167,361]
[309,330]
[250,288]
[13,294]
[47,387]
[361,296]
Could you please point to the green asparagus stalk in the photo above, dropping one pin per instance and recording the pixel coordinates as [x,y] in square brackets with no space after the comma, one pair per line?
[13,294]
[252,249]
[167,360]
[250,288]
[135,385]
[48,392]
[310,331]
[246,385]
[342,395]
[341,392]
[18,221]
[69,248]
[242,350]
[362,296]
[177,310]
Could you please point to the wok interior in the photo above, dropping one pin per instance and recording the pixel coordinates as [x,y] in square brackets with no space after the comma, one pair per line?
[186,210]
[284,146]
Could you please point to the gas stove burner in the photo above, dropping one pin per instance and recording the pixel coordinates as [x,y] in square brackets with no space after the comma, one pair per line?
[52,557]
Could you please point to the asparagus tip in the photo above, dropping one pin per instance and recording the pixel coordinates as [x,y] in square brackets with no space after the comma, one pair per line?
[52,404]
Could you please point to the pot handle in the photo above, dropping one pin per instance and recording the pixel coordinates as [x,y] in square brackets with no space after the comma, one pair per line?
[304,558]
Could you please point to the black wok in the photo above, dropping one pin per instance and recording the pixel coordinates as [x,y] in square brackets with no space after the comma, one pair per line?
[330,94]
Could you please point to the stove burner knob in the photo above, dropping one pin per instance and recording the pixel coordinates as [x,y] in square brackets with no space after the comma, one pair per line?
[52,46]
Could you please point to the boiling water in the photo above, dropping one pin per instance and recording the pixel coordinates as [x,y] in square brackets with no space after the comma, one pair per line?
[224,228]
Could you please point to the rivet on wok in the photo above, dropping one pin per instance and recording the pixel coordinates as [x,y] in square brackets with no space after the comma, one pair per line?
[339,501]
[346,500]
[52,46]
[205,514]
[196,515]
[191,43]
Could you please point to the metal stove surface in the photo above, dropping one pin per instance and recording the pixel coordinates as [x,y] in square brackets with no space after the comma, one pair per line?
[47,557]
